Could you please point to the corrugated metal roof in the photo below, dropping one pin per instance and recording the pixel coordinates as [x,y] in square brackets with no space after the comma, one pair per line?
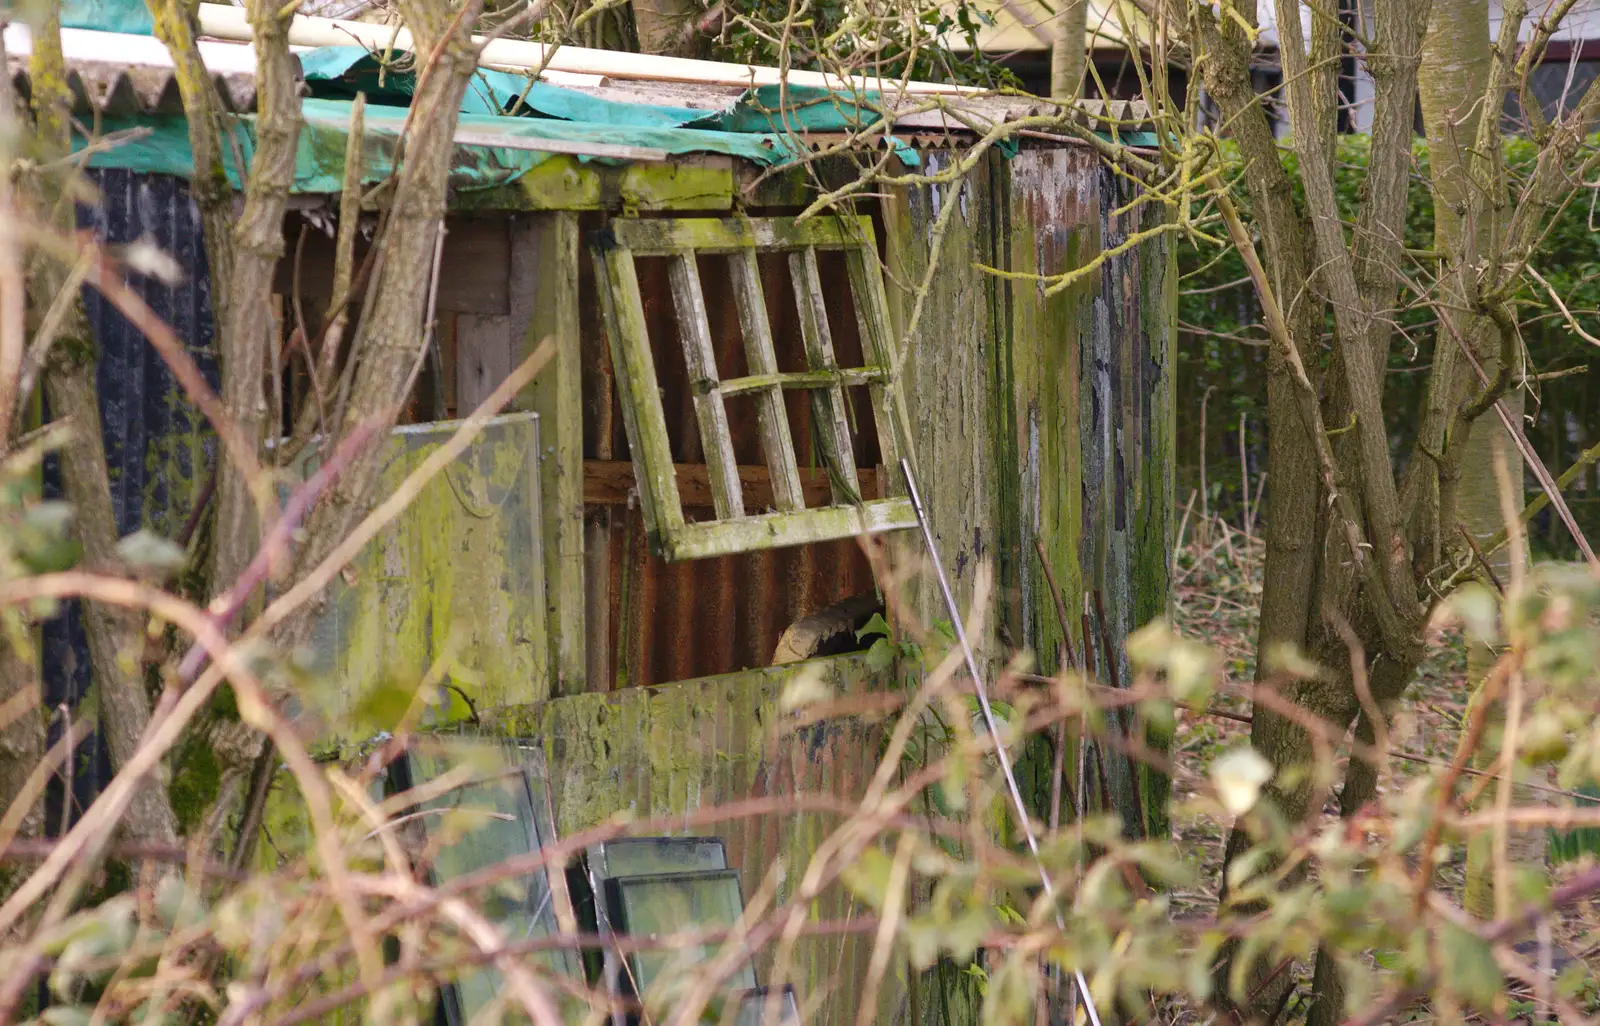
[120,74]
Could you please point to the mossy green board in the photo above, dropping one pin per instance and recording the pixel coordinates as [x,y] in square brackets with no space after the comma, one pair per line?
[456,580]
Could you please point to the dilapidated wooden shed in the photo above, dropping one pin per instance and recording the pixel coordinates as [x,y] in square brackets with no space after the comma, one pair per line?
[614,565]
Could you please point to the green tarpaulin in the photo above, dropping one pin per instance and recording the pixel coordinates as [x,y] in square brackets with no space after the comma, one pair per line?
[130,16]
[160,145]
[762,125]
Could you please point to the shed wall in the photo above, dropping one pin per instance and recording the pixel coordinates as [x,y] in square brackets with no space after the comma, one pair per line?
[157,450]
[1035,417]
[1038,416]
[693,746]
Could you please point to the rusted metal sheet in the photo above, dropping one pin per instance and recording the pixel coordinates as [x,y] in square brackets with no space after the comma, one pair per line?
[676,621]
[702,744]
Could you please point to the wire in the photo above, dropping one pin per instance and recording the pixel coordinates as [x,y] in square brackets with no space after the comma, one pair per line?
[988,719]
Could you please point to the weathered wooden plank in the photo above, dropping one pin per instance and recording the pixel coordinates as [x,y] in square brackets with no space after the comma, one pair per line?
[476,257]
[544,304]
[716,439]
[947,381]
[708,743]
[777,444]
[849,377]
[1052,226]
[730,234]
[483,357]
[618,285]
[777,530]
[610,482]
[827,404]
[878,343]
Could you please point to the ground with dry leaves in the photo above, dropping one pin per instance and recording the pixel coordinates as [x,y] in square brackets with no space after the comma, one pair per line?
[1217,592]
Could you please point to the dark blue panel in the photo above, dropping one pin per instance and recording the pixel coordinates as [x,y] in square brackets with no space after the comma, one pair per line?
[154,438]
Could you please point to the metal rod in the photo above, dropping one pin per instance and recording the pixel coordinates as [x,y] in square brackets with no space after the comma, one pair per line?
[988,719]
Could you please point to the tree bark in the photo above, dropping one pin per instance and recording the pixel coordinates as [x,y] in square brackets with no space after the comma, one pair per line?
[114,634]
[667,27]
[245,341]
[388,343]
[1068,51]
[1456,95]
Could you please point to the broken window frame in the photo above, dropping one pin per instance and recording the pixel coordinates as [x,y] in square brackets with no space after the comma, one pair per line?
[740,240]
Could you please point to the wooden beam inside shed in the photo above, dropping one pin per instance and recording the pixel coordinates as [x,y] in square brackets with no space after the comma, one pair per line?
[608,482]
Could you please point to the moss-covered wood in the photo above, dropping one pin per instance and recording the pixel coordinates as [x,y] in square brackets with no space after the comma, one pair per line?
[544,298]
[727,235]
[455,586]
[1043,417]
[683,240]
[649,753]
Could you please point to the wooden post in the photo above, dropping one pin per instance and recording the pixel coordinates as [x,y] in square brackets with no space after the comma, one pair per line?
[544,303]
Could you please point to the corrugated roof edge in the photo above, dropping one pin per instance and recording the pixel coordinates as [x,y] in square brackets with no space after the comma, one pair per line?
[122,74]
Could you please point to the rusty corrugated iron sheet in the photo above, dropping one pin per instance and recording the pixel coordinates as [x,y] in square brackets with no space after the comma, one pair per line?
[676,621]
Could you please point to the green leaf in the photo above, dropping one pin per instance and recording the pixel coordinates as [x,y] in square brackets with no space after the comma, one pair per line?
[1477,609]
[881,655]
[877,625]
[868,877]
[1469,966]
[147,552]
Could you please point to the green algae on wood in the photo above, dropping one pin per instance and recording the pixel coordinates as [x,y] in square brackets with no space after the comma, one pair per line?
[458,576]
[544,297]
[667,751]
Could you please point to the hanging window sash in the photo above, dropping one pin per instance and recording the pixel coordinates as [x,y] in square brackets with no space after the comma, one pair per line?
[739,240]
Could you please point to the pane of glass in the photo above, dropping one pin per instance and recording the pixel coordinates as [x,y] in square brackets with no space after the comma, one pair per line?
[643,856]
[753,1008]
[480,824]
[659,906]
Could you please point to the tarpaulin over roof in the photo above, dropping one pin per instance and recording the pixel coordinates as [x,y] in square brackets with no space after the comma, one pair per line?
[496,147]
[765,111]
[130,16]
[160,145]
[343,71]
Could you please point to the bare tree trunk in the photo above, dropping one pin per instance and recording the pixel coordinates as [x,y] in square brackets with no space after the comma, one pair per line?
[388,342]
[114,634]
[212,191]
[1457,115]
[247,327]
[22,740]
[1069,52]
[667,26]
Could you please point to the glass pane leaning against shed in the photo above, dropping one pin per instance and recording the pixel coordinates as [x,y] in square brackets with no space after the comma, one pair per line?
[500,811]
[670,903]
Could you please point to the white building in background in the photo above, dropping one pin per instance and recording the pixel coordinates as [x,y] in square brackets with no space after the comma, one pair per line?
[1022,31]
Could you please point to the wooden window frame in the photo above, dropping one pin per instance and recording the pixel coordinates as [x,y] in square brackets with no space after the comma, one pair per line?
[740,240]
